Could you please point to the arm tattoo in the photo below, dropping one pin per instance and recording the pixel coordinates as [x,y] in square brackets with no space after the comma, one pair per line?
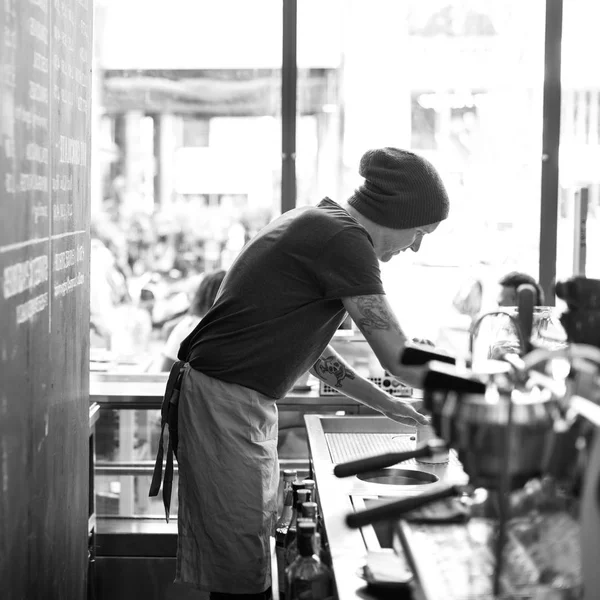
[374,314]
[331,365]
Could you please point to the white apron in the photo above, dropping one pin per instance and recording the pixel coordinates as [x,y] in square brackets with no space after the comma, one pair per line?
[228,481]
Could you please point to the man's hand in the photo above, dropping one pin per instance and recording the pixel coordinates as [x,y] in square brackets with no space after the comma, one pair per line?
[403,412]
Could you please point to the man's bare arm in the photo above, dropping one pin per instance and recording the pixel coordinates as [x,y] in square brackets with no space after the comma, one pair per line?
[377,321]
[333,370]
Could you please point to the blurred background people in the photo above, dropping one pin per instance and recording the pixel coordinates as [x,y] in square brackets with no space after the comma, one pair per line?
[203,299]
[474,299]
[108,281]
[509,285]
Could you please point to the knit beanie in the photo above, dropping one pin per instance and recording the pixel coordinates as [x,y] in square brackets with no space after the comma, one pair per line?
[401,190]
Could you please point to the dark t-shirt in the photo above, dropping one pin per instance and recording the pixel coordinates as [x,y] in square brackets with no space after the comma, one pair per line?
[280,302]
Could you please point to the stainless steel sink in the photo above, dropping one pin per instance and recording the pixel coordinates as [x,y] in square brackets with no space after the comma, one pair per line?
[336,439]
[398,477]
[363,425]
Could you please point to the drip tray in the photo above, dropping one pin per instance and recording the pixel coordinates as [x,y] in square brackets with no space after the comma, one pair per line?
[398,477]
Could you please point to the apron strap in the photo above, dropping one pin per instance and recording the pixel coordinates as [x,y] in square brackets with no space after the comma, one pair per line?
[169,420]
[158,465]
[168,482]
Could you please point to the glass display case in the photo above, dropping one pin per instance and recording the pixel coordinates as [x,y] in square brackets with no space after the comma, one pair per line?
[128,430]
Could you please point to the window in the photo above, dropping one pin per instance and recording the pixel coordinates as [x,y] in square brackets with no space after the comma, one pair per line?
[187,159]
[459,82]
[579,178]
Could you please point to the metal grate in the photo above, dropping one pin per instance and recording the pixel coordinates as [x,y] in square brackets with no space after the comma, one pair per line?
[344,447]
[350,446]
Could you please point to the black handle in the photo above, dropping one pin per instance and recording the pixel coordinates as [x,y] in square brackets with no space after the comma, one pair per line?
[381,461]
[420,354]
[526,294]
[441,376]
[395,510]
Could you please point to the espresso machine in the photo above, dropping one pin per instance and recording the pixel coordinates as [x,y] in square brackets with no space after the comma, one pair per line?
[525,429]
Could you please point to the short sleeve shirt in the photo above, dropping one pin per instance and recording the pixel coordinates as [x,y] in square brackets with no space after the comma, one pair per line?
[281,301]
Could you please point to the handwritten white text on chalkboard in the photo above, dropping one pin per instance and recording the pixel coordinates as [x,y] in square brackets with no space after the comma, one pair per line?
[64,10]
[9,147]
[40,211]
[28,310]
[62,289]
[38,93]
[25,275]
[10,38]
[30,118]
[73,151]
[62,211]
[40,62]
[36,153]
[43,4]
[8,75]
[32,182]
[38,30]
[64,260]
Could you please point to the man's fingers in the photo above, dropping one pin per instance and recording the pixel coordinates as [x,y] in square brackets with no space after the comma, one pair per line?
[419,418]
[403,420]
[408,417]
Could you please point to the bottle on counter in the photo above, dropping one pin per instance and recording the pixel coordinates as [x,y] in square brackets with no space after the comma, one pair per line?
[288,474]
[310,510]
[281,528]
[290,545]
[311,485]
[307,577]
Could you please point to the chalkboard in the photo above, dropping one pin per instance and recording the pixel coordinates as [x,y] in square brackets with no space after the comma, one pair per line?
[45,85]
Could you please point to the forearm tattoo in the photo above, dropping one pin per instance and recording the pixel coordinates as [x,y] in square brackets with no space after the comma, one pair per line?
[331,365]
[374,315]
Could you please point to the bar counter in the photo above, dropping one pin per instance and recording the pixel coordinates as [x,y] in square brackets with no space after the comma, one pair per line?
[145,390]
[339,439]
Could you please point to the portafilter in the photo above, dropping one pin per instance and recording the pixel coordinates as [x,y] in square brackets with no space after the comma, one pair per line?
[475,423]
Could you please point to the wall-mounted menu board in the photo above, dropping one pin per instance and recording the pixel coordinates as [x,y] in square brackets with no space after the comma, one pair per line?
[45,81]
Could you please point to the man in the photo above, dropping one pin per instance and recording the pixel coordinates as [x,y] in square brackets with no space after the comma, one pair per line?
[509,285]
[277,309]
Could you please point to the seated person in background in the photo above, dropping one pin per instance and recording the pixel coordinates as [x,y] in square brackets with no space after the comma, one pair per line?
[203,300]
[503,337]
[471,303]
[509,284]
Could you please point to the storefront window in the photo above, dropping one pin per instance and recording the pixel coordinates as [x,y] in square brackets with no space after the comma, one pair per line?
[187,130]
[459,82]
[579,176]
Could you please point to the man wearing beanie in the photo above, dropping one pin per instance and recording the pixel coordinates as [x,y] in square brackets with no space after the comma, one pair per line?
[276,311]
